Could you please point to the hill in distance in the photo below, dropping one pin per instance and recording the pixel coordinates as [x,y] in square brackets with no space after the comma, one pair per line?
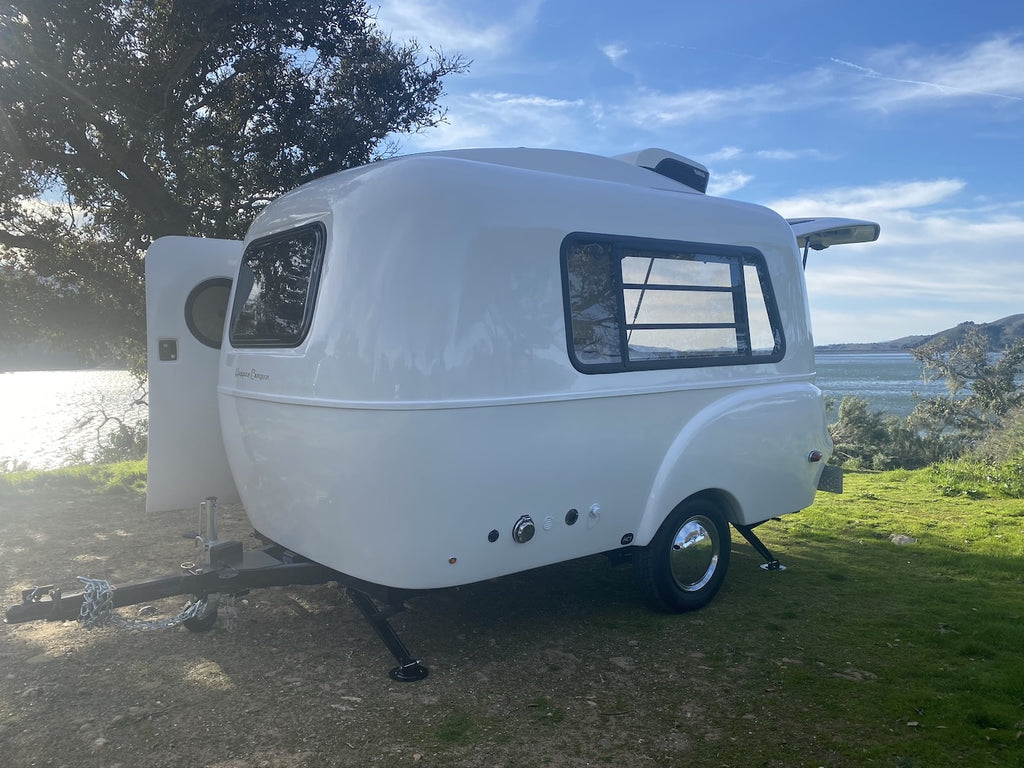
[1001,334]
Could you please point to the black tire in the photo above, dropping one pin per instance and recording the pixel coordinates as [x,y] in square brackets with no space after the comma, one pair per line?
[685,564]
[206,619]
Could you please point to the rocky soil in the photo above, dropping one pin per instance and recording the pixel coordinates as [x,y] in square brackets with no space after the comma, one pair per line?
[559,667]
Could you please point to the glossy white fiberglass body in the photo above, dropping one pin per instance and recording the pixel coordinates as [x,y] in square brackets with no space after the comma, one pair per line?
[433,400]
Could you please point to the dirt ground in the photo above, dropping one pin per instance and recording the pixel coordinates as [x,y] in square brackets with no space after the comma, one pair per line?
[560,667]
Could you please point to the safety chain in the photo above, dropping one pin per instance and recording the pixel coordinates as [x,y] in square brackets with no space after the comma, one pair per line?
[98,610]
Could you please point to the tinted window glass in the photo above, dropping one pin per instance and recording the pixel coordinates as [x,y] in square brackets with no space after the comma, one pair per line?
[276,291]
[633,304]
[205,308]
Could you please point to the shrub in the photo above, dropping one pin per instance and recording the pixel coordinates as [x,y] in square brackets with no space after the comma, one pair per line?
[868,439]
[1005,442]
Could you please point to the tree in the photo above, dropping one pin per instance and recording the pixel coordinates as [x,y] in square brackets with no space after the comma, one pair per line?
[983,386]
[125,120]
[982,413]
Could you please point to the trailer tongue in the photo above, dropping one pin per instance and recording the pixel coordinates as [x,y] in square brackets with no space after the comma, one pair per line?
[231,571]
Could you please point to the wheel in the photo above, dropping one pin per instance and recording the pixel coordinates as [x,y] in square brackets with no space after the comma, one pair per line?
[685,563]
[206,619]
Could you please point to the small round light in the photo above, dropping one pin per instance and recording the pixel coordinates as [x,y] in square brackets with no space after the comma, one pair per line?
[451,560]
[815,456]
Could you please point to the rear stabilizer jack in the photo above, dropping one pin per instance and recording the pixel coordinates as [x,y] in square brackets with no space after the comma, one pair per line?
[771,562]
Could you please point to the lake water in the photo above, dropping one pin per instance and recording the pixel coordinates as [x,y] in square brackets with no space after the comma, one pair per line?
[890,381]
[39,410]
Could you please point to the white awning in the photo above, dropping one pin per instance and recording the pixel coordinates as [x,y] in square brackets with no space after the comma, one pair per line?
[821,233]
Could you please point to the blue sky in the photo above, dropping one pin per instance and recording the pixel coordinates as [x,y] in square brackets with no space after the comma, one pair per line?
[906,113]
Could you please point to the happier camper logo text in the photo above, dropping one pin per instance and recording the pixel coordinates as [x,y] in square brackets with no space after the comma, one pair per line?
[251,374]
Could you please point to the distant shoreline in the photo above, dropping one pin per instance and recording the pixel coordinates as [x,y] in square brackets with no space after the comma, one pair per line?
[861,349]
[1001,334]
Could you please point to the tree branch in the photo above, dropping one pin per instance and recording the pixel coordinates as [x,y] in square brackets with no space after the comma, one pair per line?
[144,187]
[24,242]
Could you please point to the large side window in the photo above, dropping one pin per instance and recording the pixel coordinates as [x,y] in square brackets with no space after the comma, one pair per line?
[633,304]
[276,291]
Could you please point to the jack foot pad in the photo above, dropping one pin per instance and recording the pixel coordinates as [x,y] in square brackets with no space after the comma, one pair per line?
[409,673]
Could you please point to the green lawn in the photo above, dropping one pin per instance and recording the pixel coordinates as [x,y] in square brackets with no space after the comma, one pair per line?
[934,626]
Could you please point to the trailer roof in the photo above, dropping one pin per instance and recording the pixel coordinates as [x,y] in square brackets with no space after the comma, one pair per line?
[638,169]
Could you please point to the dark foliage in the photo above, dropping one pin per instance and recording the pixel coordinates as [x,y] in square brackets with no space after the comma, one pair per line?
[870,439]
[140,119]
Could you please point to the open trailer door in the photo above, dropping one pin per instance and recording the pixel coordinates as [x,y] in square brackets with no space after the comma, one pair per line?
[188,281]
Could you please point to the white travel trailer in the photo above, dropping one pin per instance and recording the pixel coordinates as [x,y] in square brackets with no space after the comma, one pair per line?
[448,367]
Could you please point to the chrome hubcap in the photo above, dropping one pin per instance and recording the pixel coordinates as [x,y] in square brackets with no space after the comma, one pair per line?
[694,555]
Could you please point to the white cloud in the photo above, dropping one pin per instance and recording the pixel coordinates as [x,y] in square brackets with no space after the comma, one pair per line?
[722,184]
[507,119]
[930,269]
[725,153]
[629,117]
[614,52]
[908,215]
[465,27]
[993,69]
[660,110]
[905,292]
[784,155]
[897,291]
[892,274]
[790,154]
[619,120]
[933,266]
[859,202]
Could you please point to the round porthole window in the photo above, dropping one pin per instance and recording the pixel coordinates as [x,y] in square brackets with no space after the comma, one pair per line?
[206,308]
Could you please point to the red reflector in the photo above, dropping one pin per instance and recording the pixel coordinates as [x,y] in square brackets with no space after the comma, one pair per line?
[815,456]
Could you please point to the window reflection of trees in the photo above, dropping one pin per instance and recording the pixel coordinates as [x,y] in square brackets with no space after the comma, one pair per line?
[278,276]
[593,303]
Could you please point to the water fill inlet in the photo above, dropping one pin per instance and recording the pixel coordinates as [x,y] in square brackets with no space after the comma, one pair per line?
[524,529]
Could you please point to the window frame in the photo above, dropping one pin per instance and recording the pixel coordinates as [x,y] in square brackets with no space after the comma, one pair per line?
[312,289]
[737,257]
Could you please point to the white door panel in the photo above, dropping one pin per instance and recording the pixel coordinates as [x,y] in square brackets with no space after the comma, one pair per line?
[188,280]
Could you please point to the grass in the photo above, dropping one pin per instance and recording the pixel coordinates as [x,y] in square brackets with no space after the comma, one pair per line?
[981,479]
[125,476]
[937,623]
[864,652]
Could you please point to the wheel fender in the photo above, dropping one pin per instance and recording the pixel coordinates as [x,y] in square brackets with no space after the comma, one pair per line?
[750,448]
